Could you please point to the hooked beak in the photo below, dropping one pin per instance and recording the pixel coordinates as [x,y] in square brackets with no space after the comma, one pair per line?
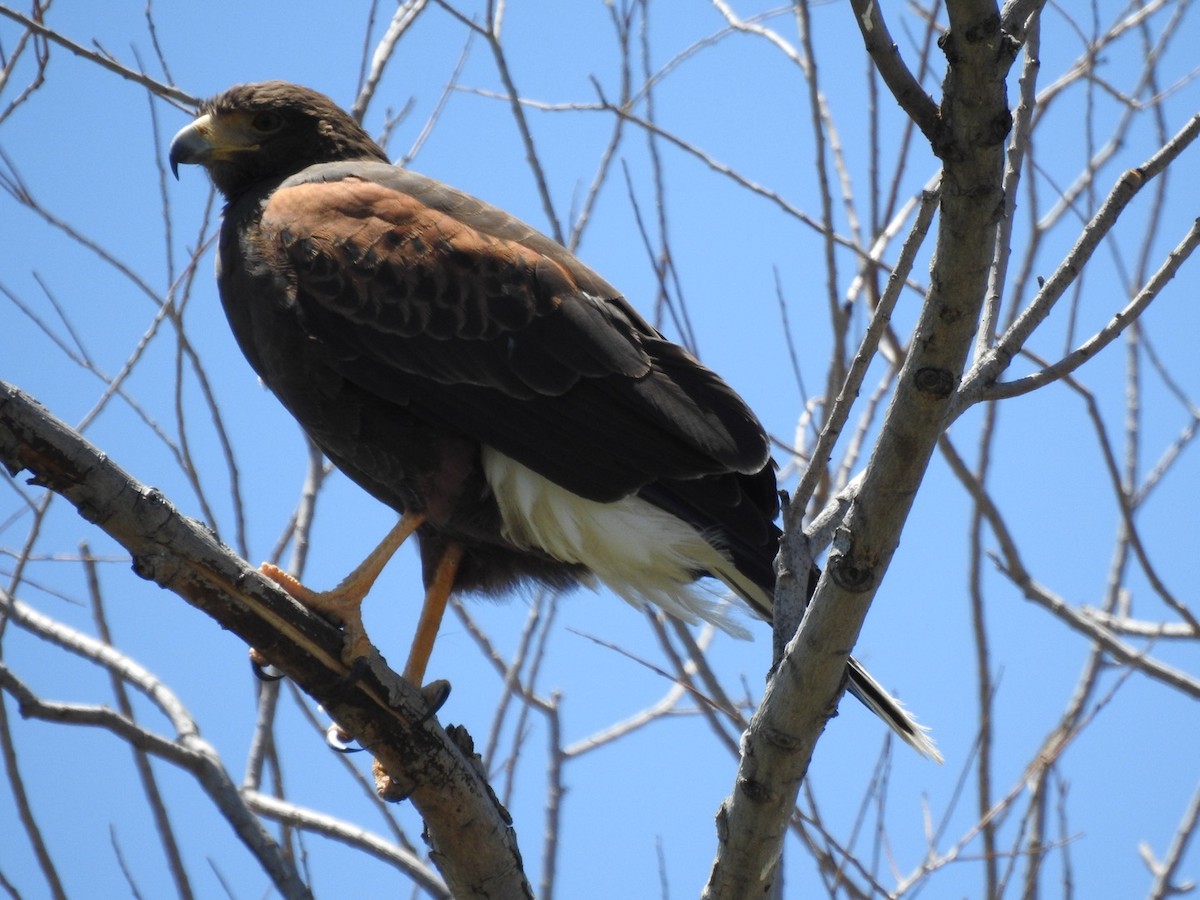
[193,145]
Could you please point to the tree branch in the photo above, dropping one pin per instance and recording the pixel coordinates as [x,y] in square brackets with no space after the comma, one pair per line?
[986,370]
[188,751]
[913,99]
[1106,335]
[385,714]
[803,693]
[180,98]
[348,833]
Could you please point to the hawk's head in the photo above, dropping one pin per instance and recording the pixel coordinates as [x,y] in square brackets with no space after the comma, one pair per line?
[267,131]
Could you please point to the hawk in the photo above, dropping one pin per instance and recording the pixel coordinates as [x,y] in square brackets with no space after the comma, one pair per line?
[471,373]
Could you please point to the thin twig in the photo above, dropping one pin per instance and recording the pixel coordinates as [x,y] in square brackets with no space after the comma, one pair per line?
[403,19]
[154,799]
[179,98]
[980,380]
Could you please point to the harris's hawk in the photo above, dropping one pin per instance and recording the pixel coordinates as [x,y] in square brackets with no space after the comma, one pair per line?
[475,376]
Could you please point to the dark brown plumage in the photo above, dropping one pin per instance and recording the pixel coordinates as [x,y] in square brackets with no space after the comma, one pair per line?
[462,367]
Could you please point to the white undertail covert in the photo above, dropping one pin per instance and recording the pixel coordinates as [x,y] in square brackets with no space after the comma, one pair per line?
[642,553]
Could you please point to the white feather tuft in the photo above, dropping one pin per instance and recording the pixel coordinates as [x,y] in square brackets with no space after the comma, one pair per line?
[646,555]
[642,553]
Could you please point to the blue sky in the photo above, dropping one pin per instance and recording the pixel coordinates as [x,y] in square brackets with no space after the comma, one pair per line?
[87,147]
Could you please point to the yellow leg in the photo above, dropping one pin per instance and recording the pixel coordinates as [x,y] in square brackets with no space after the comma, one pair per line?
[437,594]
[432,610]
[345,601]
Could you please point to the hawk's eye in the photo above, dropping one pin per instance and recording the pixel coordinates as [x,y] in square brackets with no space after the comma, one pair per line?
[266,122]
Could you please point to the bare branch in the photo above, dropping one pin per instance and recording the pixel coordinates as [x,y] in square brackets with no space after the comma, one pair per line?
[404,17]
[41,54]
[1106,335]
[1010,564]
[16,782]
[154,796]
[180,98]
[380,710]
[1164,885]
[350,834]
[804,690]
[839,413]
[188,752]
[900,81]
[985,372]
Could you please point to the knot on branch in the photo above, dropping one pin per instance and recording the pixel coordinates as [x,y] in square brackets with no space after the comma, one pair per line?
[849,577]
[755,791]
[937,383]
[156,567]
[986,30]
[983,30]
[998,128]
[781,739]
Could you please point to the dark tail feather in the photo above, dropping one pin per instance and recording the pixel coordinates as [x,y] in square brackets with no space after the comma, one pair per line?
[888,708]
[739,510]
[869,691]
